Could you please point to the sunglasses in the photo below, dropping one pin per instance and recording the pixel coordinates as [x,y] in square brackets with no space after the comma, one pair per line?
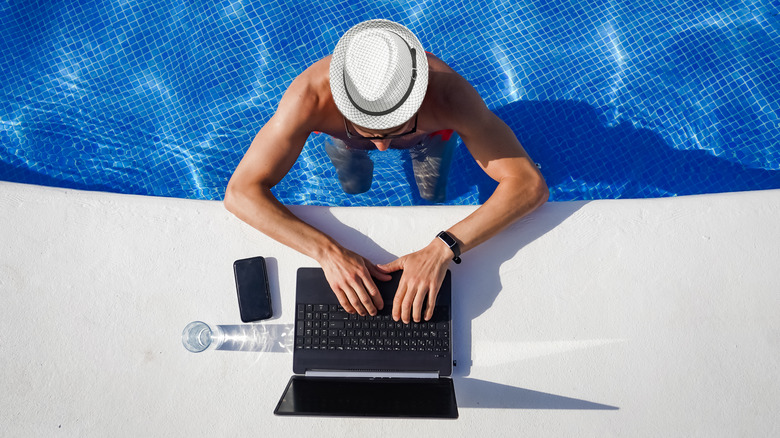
[380,137]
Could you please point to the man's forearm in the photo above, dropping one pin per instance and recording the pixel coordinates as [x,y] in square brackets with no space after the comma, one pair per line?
[260,209]
[348,273]
[512,199]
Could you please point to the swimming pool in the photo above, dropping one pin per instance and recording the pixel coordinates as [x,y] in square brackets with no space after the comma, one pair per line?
[613,99]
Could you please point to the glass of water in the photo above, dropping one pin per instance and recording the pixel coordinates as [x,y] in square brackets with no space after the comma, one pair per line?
[199,336]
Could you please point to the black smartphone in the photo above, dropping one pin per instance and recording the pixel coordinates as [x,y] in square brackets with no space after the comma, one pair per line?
[254,296]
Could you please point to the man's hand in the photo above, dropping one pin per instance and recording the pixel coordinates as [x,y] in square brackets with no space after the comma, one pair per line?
[349,275]
[423,274]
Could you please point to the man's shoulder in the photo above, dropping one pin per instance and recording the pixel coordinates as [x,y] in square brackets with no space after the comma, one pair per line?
[310,92]
[319,69]
[315,78]
[450,95]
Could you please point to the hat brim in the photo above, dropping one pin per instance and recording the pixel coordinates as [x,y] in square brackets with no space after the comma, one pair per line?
[407,109]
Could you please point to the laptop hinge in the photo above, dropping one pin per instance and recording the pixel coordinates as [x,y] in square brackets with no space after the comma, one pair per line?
[375,374]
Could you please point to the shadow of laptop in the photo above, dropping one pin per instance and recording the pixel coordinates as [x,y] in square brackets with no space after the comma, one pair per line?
[474,393]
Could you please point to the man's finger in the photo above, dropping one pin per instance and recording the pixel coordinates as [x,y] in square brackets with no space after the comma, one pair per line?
[417,305]
[431,304]
[366,293]
[344,301]
[365,290]
[374,295]
[395,265]
[398,300]
[354,300]
[406,306]
[378,271]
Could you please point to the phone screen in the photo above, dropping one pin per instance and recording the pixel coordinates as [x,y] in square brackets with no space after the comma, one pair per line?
[254,297]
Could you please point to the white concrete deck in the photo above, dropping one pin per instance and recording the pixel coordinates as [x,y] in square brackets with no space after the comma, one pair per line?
[654,317]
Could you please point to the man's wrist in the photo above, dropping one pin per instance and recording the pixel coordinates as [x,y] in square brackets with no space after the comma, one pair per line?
[326,249]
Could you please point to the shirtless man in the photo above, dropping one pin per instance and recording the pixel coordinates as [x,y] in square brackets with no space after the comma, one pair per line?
[380,90]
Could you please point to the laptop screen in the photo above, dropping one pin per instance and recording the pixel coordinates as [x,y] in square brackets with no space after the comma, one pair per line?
[360,397]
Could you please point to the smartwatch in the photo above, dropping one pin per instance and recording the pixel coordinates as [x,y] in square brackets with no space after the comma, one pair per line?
[452,244]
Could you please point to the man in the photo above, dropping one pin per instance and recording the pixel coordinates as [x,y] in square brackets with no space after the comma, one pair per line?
[379,90]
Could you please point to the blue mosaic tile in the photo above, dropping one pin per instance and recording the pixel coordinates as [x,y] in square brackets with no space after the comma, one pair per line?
[613,99]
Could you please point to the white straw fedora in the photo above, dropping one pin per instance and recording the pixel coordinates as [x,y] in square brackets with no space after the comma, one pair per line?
[378,74]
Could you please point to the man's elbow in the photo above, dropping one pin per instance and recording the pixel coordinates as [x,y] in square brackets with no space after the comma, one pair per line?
[539,193]
[232,196]
[531,193]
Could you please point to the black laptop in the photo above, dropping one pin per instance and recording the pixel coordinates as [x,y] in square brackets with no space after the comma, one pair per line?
[368,366]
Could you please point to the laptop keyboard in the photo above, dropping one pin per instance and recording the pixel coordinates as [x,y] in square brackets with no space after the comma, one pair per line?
[330,327]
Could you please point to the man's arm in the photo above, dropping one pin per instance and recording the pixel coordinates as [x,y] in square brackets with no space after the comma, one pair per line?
[521,189]
[248,196]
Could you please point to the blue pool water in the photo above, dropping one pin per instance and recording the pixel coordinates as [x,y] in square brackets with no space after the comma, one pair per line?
[613,99]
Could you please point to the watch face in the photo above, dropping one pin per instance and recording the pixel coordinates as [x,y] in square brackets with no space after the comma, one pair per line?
[445,238]
[450,241]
